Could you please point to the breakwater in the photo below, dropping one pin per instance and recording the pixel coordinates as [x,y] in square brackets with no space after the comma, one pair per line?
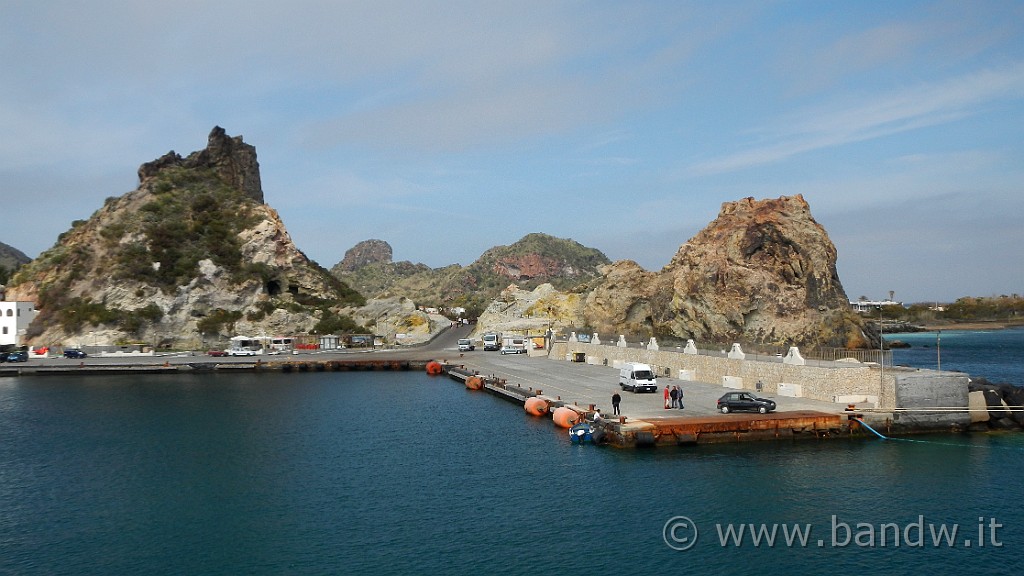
[624,432]
[206,366]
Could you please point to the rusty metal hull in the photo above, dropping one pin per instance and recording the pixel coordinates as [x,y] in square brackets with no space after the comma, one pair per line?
[725,428]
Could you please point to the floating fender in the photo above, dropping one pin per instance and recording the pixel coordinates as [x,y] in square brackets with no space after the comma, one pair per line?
[536,406]
[434,368]
[474,382]
[565,417]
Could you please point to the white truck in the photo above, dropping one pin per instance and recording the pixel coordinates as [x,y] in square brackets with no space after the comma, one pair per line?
[492,341]
[637,377]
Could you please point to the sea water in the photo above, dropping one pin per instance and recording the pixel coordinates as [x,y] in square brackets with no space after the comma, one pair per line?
[399,473]
[996,355]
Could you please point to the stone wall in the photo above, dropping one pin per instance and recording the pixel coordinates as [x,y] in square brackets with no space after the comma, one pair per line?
[857,384]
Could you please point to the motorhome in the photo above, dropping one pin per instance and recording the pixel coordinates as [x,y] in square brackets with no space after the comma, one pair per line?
[245,346]
[513,345]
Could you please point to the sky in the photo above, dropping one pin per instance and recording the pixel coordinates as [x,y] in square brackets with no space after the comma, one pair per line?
[447,128]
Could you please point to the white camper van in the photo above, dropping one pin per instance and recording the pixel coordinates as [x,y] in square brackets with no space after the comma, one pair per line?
[637,377]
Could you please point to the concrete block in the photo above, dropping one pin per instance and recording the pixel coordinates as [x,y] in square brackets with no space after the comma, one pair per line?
[690,375]
[732,382]
[790,390]
[691,348]
[736,353]
[622,341]
[793,357]
[653,345]
[978,407]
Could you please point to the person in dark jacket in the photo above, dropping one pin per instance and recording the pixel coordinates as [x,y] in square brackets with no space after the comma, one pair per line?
[615,403]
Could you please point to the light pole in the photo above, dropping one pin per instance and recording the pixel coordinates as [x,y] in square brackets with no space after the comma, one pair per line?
[881,354]
[938,348]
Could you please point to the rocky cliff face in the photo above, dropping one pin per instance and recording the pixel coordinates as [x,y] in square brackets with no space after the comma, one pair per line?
[762,272]
[365,253]
[192,255]
[230,158]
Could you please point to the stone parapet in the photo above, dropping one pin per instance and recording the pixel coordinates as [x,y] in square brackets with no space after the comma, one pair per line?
[825,383]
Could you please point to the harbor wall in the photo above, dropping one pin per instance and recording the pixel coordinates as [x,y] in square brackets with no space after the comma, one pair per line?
[864,385]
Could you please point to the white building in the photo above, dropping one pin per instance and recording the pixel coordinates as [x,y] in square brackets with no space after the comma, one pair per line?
[14,320]
[870,305]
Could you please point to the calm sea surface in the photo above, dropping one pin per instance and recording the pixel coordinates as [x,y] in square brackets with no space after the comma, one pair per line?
[399,473]
[997,355]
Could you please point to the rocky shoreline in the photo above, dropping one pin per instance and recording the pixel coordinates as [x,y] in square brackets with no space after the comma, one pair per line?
[995,406]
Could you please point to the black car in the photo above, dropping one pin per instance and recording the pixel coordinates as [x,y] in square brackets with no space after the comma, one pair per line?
[17,357]
[732,401]
[74,353]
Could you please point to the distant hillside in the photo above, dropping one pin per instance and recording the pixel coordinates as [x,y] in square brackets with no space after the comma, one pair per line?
[10,260]
[534,260]
[192,255]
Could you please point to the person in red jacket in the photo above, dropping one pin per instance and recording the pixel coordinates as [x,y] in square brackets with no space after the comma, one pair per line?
[667,401]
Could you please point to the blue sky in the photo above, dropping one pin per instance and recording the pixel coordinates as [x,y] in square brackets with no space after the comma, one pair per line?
[447,128]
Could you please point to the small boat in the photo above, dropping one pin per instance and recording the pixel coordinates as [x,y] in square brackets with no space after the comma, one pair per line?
[581,433]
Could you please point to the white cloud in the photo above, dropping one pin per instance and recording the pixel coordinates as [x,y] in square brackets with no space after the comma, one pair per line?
[885,115]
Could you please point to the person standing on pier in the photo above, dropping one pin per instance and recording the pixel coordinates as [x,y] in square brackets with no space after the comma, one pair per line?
[615,403]
[674,394]
[667,401]
[679,396]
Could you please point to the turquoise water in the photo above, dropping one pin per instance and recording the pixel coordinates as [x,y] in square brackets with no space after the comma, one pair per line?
[398,473]
[996,355]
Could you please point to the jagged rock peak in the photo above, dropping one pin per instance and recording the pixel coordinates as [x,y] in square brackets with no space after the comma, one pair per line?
[365,253]
[232,159]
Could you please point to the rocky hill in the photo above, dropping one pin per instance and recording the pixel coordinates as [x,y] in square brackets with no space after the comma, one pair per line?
[763,271]
[534,260]
[191,256]
[10,260]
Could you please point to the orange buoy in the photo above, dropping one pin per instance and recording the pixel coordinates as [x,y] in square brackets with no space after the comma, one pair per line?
[565,417]
[474,382]
[434,368]
[536,406]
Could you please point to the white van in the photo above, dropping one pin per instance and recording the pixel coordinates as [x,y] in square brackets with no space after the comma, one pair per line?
[637,377]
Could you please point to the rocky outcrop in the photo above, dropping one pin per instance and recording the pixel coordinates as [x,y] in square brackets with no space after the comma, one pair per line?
[995,406]
[762,272]
[231,158]
[191,256]
[11,258]
[365,253]
[519,311]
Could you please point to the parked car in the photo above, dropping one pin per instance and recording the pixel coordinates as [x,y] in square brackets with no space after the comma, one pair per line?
[74,353]
[217,353]
[17,356]
[732,401]
[512,349]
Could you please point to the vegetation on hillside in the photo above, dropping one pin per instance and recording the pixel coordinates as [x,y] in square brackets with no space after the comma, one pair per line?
[966,309]
[473,287]
[190,215]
